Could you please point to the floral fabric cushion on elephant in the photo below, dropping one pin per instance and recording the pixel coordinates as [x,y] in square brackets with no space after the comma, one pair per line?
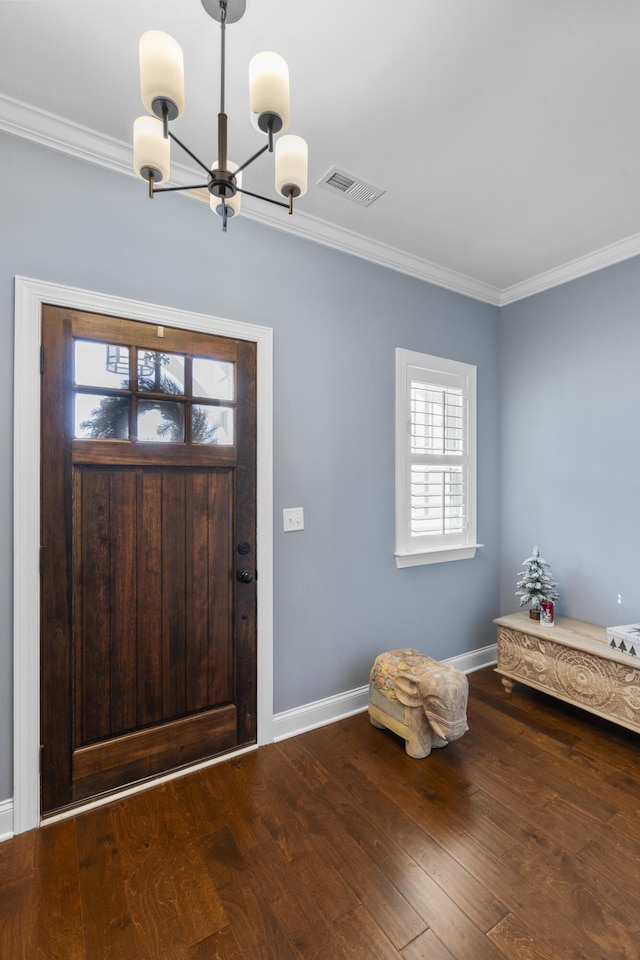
[389,665]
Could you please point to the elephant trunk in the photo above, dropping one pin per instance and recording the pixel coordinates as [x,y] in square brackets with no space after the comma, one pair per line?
[447,729]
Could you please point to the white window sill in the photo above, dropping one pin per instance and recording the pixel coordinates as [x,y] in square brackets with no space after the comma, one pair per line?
[438,555]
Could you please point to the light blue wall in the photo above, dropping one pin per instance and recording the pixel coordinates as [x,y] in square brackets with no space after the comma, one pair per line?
[339,599]
[570,406]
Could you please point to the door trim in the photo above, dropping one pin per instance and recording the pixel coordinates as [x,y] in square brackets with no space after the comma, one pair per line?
[29,297]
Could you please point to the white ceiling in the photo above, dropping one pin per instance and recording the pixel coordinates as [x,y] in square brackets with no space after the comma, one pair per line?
[504,132]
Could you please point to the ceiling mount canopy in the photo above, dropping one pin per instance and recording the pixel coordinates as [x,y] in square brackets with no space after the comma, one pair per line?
[162,92]
[235,10]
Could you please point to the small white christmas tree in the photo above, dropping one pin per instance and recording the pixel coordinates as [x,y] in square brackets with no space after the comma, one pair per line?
[535,583]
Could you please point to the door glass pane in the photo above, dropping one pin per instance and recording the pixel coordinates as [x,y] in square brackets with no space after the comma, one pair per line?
[161,421]
[160,372]
[211,424]
[213,379]
[101,364]
[101,418]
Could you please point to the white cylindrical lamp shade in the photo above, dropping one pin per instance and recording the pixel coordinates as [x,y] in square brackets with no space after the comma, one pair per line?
[269,88]
[161,73]
[151,151]
[292,157]
[232,203]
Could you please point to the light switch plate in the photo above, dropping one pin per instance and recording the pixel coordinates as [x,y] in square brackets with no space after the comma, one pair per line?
[293,519]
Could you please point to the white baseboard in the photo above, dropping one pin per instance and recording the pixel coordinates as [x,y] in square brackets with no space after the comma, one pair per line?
[319,713]
[290,723]
[475,659]
[6,819]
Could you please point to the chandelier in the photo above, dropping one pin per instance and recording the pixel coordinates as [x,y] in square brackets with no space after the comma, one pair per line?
[162,91]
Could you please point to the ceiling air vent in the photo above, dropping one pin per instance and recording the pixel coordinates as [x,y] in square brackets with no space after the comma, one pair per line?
[361,192]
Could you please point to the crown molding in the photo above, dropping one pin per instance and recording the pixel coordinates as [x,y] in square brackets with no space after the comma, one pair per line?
[573,269]
[56,133]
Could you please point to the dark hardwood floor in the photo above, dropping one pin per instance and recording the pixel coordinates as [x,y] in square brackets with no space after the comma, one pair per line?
[521,840]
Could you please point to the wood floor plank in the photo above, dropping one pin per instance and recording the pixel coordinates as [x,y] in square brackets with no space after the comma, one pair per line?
[545,867]
[292,904]
[382,803]
[303,845]
[19,919]
[362,938]
[418,785]
[371,830]
[518,943]
[397,919]
[18,897]
[565,937]
[254,925]
[17,857]
[581,770]
[202,802]
[562,722]
[221,945]
[439,911]
[320,815]
[426,947]
[164,872]
[526,704]
[405,778]
[250,818]
[617,857]
[60,935]
[447,920]
[106,918]
[305,763]
[537,911]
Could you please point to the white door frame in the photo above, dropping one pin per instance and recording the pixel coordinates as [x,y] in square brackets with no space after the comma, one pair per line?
[30,295]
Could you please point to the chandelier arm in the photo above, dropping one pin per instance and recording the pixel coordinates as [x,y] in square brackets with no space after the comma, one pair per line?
[186,150]
[259,196]
[251,159]
[194,186]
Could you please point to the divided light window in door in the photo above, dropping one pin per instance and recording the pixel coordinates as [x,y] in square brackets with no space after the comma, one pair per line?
[135,394]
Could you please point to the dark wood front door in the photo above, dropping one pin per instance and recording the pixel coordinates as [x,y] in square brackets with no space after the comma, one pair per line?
[148,518]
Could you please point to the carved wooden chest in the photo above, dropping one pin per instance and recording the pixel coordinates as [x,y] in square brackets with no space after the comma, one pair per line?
[571,661]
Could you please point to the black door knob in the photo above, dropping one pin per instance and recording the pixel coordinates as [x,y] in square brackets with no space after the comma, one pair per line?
[245,576]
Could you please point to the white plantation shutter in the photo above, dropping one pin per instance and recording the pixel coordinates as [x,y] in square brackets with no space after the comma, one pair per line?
[435,459]
[437,424]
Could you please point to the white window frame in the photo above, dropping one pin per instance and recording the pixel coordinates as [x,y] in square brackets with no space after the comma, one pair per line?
[412,550]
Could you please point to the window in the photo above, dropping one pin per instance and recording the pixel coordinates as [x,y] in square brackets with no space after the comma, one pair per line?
[435,459]
[122,393]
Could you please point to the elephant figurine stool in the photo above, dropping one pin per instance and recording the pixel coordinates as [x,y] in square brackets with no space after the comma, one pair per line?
[423,701]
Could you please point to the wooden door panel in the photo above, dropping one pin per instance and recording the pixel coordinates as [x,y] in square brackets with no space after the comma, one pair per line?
[123,667]
[172,599]
[182,605]
[142,620]
[145,753]
[209,588]
[149,585]
[92,608]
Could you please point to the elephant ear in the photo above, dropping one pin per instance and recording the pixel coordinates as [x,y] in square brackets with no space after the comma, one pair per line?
[407,691]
